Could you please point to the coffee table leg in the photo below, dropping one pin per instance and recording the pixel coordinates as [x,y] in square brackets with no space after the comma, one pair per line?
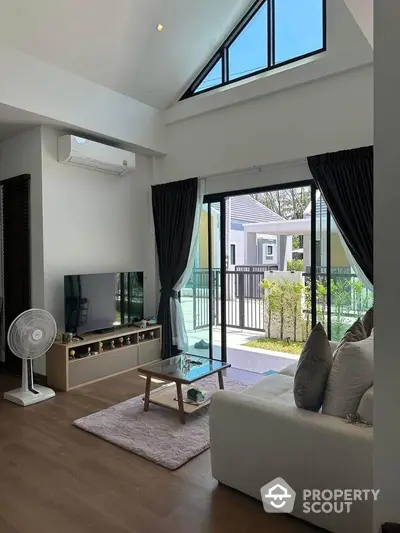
[220,380]
[147,393]
[180,403]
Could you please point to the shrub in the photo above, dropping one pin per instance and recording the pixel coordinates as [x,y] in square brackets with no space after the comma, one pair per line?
[283,301]
[295,265]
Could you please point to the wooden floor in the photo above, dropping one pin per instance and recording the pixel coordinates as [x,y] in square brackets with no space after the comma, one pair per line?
[55,478]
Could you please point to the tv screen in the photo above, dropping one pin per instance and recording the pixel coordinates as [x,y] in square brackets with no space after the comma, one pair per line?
[96,302]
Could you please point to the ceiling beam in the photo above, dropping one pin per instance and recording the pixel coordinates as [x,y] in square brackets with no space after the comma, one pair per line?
[362,11]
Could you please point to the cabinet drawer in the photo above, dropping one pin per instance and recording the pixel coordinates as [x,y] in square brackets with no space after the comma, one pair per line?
[120,360]
[149,351]
[86,370]
[103,365]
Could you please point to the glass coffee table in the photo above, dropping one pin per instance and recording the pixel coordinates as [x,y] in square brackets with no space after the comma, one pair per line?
[181,370]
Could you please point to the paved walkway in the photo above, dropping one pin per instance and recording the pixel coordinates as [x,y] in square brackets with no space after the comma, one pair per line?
[239,356]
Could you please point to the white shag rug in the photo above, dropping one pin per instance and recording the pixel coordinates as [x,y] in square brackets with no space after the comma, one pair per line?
[157,434]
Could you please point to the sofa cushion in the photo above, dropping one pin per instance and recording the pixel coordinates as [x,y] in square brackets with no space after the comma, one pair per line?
[366,408]
[313,370]
[276,387]
[351,375]
[289,370]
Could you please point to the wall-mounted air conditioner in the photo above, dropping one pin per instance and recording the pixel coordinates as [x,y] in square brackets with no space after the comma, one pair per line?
[81,152]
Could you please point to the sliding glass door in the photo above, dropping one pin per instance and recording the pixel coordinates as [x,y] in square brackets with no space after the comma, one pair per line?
[203,297]
[341,293]
[269,265]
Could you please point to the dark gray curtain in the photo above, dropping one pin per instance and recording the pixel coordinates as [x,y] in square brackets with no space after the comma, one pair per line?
[345,180]
[174,209]
[17,256]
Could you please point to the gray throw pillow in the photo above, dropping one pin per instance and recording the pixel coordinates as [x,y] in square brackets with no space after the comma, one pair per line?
[313,370]
[354,334]
[351,375]
[368,321]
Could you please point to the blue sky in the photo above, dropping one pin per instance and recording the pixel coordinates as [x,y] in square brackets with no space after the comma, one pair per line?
[298,30]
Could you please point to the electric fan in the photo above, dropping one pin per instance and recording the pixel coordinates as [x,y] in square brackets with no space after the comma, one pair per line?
[29,337]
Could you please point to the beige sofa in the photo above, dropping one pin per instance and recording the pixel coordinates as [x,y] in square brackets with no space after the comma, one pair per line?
[260,434]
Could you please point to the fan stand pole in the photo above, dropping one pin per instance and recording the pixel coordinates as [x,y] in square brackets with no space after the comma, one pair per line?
[25,387]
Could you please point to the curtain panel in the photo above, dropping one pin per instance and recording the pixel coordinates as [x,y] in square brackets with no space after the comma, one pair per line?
[174,212]
[345,180]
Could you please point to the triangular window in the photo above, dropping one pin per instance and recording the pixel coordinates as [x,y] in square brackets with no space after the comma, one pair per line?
[271,34]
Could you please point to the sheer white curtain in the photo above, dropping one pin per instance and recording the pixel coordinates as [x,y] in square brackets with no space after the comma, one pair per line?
[179,335]
[355,266]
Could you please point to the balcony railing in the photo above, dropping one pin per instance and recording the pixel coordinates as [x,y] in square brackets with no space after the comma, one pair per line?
[245,304]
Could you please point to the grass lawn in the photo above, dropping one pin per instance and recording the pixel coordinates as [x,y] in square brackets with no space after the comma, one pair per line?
[276,345]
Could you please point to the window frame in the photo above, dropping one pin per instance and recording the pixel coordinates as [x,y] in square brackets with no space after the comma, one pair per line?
[223,51]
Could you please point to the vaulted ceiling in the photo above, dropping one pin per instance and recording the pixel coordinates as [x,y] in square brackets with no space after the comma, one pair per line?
[115,43]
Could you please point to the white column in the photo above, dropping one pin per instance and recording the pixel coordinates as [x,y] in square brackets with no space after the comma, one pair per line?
[250,248]
[387,260]
[282,242]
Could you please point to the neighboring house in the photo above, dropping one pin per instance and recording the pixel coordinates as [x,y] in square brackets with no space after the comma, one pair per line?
[283,230]
[338,254]
[263,249]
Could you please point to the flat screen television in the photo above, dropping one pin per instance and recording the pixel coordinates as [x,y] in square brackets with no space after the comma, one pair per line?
[98,302]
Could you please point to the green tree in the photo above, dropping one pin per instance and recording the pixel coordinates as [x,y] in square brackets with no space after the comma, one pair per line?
[296,242]
[295,265]
[360,296]
[294,292]
[268,287]
[307,310]
[288,203]
[341,300]
[322,292]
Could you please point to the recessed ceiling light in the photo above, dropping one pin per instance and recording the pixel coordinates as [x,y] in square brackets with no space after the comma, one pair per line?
[160,27]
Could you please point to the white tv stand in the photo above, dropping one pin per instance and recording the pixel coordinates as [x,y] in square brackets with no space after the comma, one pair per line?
[65,372]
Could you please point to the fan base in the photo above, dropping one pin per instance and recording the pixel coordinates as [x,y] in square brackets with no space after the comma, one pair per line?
[24,398]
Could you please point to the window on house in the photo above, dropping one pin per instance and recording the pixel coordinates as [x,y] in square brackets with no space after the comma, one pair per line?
[271,34]
[270,250]
[233,254]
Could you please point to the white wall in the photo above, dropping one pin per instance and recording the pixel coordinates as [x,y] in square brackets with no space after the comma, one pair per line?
[362,11]
[51,93]
[329,114]
[22,155]
[237,238]
[387,259]
[94,223]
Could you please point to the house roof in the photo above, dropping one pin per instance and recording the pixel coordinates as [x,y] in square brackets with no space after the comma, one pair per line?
[246,209]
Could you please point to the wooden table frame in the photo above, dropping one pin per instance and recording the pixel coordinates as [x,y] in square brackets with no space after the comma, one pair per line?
[190,408]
